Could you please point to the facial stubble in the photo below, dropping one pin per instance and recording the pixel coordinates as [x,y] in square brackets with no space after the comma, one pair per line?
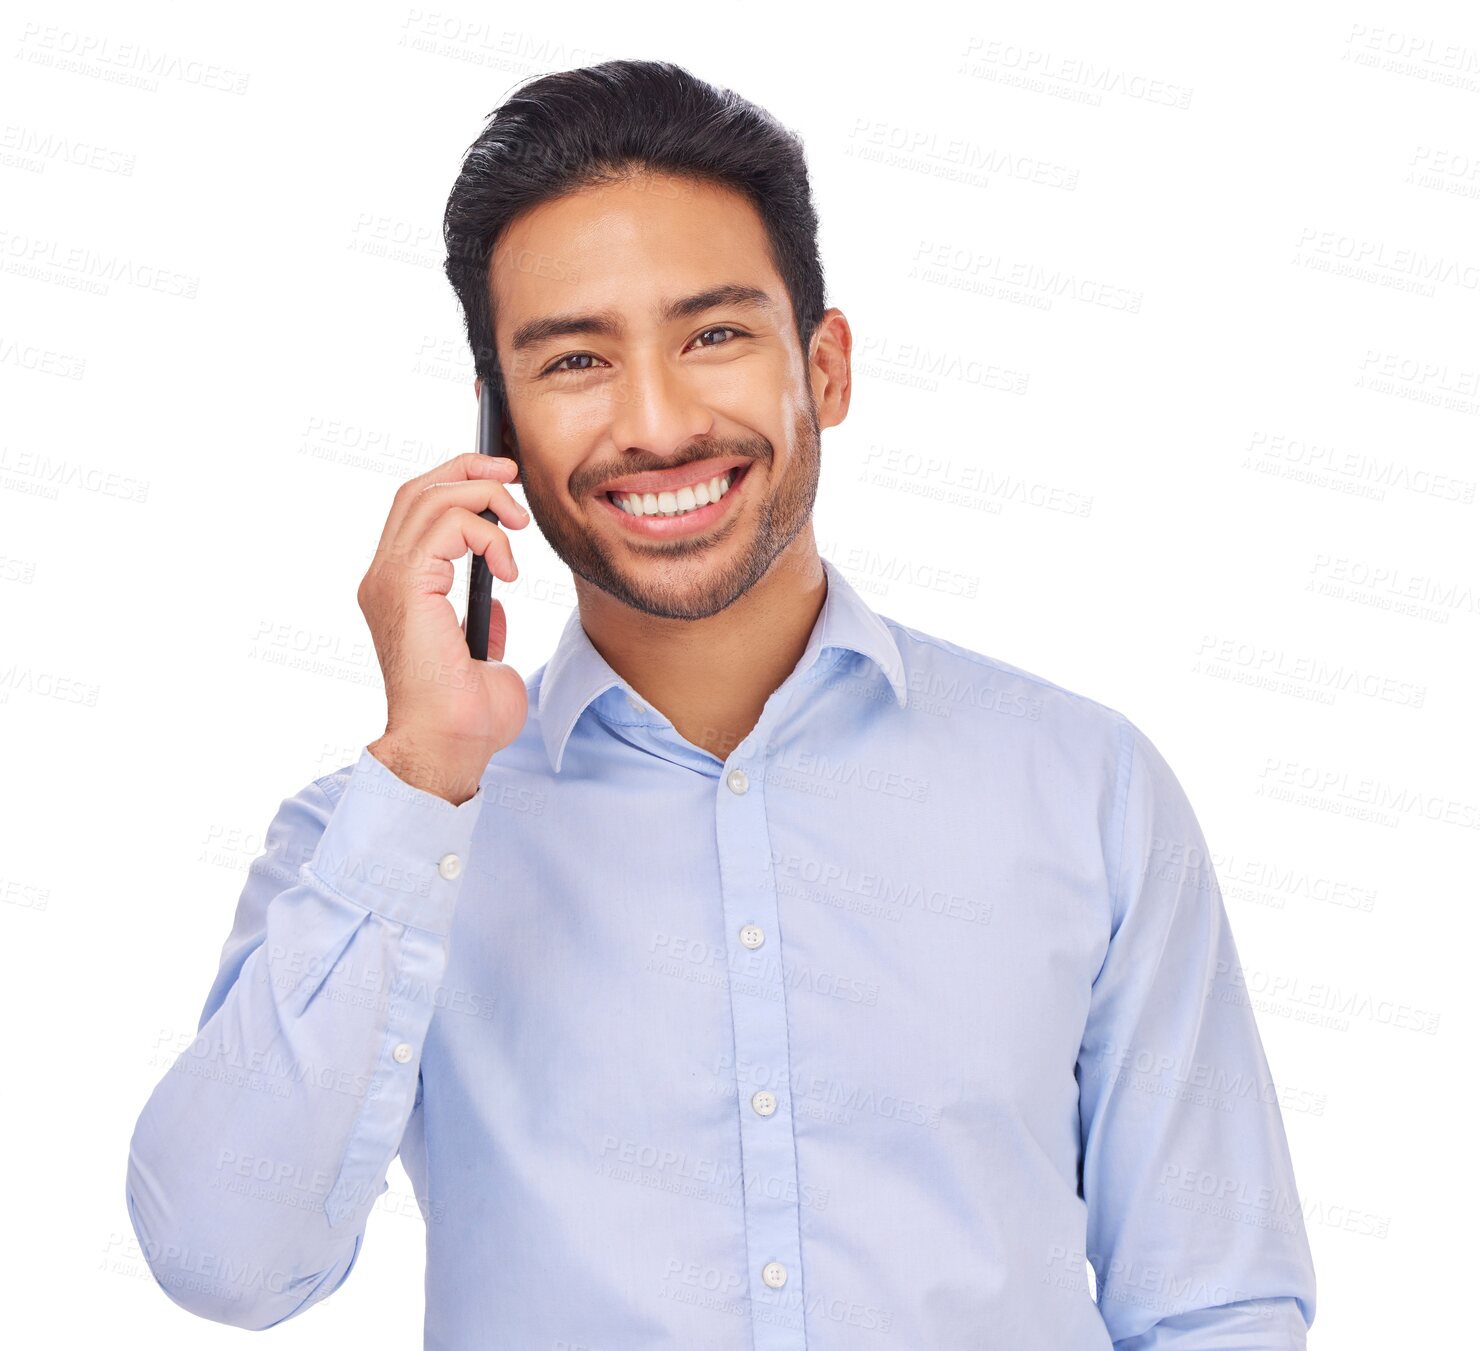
[648,583]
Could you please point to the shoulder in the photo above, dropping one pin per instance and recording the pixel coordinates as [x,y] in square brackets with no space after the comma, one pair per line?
[948,679]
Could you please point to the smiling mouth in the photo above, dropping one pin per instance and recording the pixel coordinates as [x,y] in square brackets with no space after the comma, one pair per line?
[685,501]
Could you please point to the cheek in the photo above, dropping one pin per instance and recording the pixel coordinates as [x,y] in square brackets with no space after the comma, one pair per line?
[546,457]
[751,389]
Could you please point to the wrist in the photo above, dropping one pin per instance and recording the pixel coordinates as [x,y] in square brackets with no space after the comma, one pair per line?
[430,767]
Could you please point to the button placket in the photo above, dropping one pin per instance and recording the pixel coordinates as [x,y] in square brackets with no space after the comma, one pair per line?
[763,1074]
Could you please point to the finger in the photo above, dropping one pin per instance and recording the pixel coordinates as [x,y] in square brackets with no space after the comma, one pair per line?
[475,496]
[457,530]
[460,469]
[498,630]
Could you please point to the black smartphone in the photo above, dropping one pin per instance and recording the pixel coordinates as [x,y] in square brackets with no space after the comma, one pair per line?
[480,580]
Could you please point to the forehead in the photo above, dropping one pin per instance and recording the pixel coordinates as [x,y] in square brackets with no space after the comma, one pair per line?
[624,246]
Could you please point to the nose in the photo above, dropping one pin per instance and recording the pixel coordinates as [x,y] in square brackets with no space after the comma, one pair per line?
[657,408]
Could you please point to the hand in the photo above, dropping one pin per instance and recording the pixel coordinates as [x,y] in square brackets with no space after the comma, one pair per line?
[446,713]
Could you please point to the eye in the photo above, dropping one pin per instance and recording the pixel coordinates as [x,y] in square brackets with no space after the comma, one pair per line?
[560,368]
[723,328]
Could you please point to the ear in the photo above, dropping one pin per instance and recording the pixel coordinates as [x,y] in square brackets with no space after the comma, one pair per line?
[830,367]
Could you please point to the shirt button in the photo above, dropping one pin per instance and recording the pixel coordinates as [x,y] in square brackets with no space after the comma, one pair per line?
[450,866]
[752,935]
[637,704]
[402,1052]
[774,1275]
[764,1102]
[738,780]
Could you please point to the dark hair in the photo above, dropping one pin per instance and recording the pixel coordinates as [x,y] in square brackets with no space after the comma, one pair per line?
[577,128]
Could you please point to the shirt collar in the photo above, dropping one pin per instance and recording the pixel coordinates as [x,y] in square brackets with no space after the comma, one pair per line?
[577,673]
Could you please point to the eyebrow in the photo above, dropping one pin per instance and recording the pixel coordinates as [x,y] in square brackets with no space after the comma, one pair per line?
[608,323]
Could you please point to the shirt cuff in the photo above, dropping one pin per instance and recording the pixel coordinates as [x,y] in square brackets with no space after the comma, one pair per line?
[397,850]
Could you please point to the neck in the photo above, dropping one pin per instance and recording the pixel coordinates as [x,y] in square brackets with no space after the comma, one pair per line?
[711,677]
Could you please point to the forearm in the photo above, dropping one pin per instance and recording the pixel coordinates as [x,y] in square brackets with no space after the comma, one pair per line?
[256,1161]
[1246,1325]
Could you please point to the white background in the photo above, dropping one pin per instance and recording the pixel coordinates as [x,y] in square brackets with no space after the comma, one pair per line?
[1229,259]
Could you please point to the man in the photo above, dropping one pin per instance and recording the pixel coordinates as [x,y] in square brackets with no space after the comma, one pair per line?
[763,973]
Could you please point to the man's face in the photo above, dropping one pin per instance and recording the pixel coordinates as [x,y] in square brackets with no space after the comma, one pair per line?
[615,389]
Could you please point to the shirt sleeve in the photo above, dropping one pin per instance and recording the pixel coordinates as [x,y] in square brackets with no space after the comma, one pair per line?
[1196,1233]
[255,1163]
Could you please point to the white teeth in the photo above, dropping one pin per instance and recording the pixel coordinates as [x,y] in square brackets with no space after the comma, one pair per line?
[674,504]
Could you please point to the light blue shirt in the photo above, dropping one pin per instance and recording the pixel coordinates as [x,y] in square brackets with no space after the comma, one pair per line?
[869,1035]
